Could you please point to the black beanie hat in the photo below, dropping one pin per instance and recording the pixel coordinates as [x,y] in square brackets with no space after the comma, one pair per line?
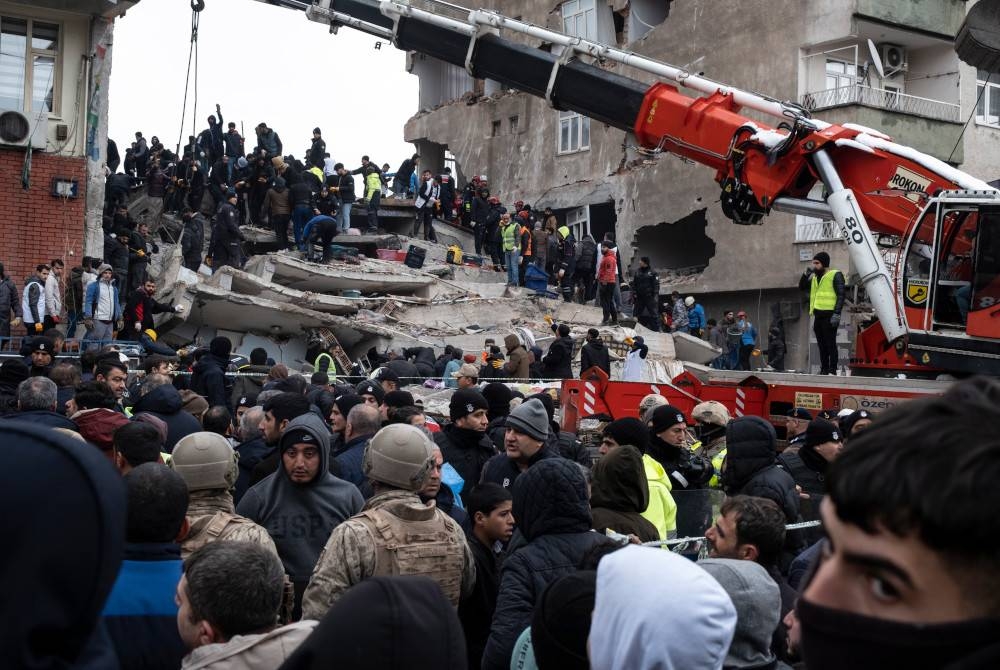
[498,398]
[13,372]
[847,423]
[545,399]
[628,430]
[398,399]
[220,347]
[464,402]
[346,401]
[666,416]
[821,431]
[372,389]
[560,624]
[823,258]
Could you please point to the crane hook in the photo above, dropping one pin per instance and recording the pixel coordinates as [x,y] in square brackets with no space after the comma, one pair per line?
[197,5]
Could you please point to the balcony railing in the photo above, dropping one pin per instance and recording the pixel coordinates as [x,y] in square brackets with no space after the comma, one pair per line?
[815,230]
[878,98]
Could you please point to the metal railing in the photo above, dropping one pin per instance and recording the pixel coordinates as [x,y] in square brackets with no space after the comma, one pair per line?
[815,230]
[878,98]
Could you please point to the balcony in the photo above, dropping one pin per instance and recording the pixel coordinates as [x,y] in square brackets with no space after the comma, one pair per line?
[876,98]
[808,229]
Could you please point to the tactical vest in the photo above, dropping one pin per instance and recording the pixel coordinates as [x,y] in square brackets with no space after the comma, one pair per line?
[822,296]
[812,482]
[424,544]
[219,528]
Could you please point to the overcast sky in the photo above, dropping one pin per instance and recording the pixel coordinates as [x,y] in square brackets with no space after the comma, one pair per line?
[260,63]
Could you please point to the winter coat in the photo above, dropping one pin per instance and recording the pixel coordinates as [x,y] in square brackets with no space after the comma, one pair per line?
[662,509]
[98,426]
[251,452]
[164,402]
[345,186]
[558,362]
[751,466]
[208,379]
[270,142]
[193,241]
[248,387]
[251,652]
[807,468]
[467,451]
[350,459]
[41,417]
[686,469]
[226,237]
[607,271]
[10,300]
[476,610]
[588,254]
[540,245]
[234,144]
[518,359]
[140,613]
[680,315]
[550,504]
[141,302]
[276,202]
[594,353]
[503,470]
[620,494]
[645,285]
[423,358]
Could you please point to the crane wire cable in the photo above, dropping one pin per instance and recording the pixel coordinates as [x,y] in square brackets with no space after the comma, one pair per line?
[196,7]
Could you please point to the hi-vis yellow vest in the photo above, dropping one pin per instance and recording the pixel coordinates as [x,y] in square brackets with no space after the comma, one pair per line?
[821,293]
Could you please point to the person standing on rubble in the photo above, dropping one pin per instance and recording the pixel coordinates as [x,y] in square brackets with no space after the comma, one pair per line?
[345,191]
[479,209]
[224,248]
[508,236]
[428,198]
[567,262]
[492,235]
[607,278]
[646,295]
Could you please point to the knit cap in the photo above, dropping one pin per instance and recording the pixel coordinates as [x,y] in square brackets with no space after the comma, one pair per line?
[464,402]
[531,419]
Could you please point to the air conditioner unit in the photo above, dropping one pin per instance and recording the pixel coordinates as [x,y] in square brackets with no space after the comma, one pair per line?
[894,58]
[20,130]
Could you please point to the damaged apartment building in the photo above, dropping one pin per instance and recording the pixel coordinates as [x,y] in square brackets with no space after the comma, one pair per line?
[814,52]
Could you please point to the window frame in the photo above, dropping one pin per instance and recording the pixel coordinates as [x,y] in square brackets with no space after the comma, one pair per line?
[577,220]
[983,98]
[566,119]
[582,9]
[30,53]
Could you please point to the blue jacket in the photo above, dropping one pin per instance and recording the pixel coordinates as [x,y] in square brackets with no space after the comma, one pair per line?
[749,334]
[350,460]
[140,614]
[91,297]
[696,317]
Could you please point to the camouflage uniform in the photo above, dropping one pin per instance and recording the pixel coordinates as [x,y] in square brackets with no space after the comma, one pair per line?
[212,516]
[436,548]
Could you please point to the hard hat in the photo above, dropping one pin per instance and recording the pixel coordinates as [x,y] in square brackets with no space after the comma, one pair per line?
[648,404]
[689,300]
[399,455]
[151,333]
[712,412]
[205,461]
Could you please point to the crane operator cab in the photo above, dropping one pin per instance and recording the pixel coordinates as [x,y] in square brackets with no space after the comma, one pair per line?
[950,291]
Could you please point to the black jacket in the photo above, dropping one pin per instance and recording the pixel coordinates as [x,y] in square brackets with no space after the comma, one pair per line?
[299,194]
[751,466]
[226,236]
[345,184]
[208,379]
[620,494]
[686,469]
[805,284]
[423,358]
[595,353]
[558,362]
[467,451]
[645,284]
[193,241]
[164,402]
[42,418]
[807,468]
[587,263]
[475,611]
[317,152]
[504,471]
[149,307]
[116,255]
[251,453]
[553,515]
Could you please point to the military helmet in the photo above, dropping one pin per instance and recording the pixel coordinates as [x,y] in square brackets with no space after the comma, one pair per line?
[205,461]
[399,455]
[712,412]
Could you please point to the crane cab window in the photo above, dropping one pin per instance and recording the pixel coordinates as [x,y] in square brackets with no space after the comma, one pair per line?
[955,267]
[985,289]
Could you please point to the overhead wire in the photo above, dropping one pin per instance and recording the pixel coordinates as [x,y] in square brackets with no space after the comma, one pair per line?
[196,7]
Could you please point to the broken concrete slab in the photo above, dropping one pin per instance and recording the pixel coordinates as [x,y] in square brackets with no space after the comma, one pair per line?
[694,349]
[238,281]
[368,276]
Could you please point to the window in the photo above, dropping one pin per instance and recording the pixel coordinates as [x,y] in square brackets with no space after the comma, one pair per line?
[578,221]
[988,106]
[450,162]
[574,132]
[840,74]
[28,68]
[580,18]
[514,122]
[495,132]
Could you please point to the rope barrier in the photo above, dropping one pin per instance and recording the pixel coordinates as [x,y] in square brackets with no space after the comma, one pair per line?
[685,540]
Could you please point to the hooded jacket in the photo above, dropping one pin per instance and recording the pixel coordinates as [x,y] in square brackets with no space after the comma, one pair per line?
[620,494]
[208,379]
[751,465]
[300,517]
[386,623]
[553,515]
[467,451]
[686,469]
[594,353]
[503,470]
[662,509]
[518,361]
[251,652]
[558,363]
[642,593]
[88,516]
[98,426]
[164,402]
[248,387]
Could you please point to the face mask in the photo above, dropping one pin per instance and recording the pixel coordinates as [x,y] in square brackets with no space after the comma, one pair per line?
[834,639]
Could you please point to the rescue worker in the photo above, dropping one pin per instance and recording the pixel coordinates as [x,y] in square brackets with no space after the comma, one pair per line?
[807,466]
[566,262]
[669,445]
[646,295]
[224,248]
[208,465]
[796,421]
[826,300]
[395,533]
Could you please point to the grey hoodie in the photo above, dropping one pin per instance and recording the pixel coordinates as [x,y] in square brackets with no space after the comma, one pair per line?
[300,517]
[758,608]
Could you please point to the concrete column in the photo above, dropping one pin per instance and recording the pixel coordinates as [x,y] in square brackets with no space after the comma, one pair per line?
[101,31]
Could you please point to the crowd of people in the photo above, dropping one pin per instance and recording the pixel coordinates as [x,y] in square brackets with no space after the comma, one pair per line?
[265,518]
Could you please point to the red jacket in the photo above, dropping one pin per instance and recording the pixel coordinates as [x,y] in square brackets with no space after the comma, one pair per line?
[607,272]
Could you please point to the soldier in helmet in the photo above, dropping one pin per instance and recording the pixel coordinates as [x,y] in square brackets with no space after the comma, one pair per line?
[208,465]
[712,417]
[395,533]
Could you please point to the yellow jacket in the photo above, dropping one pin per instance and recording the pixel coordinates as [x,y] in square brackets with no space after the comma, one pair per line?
[662,510]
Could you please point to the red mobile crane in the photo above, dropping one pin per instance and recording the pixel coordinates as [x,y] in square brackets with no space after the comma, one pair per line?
[938,311]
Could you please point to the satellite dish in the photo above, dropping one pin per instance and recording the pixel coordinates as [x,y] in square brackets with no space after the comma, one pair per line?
[876,59]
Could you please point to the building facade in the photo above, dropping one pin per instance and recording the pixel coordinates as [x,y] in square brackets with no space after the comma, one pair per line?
[813,52]
[55,58]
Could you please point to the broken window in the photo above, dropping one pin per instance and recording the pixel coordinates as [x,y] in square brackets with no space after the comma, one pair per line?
[681,246]
[514,120]
[495,132]
[634,18]
[574,132]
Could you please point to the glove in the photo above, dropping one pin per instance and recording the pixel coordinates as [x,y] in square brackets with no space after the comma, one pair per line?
[178,309]
[56,319]
[119,324]
[140,253]
[497,364]
[835,320]
[138,325]
[548,319]
[208,261]
[16,322]
[39,327]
